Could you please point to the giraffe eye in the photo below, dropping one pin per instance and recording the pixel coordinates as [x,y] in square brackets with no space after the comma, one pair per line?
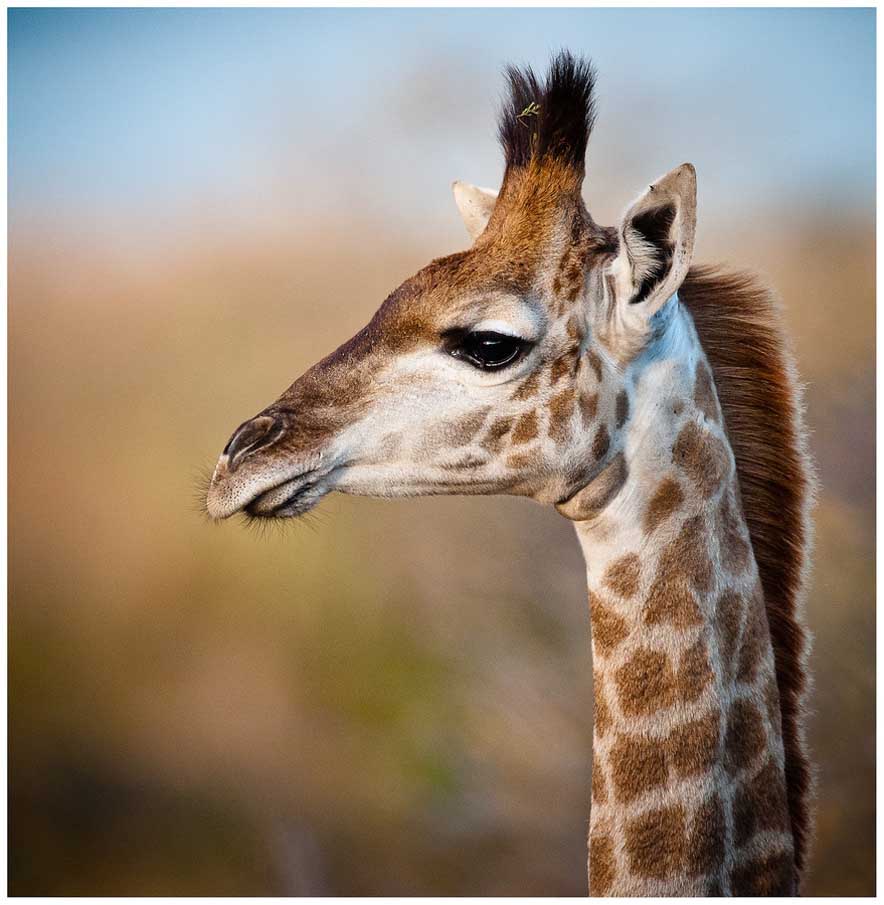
[487,350]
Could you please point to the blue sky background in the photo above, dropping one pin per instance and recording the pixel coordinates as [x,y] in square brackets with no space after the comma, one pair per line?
[130,115]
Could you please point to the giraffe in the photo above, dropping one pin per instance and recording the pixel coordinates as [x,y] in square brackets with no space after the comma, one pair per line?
[651,401]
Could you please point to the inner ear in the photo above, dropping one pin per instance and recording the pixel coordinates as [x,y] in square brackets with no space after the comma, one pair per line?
[652,240]
[657,243]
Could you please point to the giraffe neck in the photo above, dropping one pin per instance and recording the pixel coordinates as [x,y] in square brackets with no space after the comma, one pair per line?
[688,788]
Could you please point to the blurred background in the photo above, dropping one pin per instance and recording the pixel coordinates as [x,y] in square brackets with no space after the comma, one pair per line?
[386,698]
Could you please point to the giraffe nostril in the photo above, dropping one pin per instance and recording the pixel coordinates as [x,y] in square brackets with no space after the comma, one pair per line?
[250,437]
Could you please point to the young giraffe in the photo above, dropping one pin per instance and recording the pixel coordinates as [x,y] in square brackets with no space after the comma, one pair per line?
[567,362]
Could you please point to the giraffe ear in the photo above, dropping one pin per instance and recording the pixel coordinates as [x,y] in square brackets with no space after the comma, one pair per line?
[475,205]
[656,243]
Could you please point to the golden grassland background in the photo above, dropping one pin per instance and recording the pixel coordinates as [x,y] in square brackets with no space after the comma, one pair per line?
[391,697]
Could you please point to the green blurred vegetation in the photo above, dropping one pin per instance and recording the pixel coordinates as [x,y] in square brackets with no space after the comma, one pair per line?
[385,698]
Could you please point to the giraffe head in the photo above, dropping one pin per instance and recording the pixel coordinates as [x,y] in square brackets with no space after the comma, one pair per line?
[500,369]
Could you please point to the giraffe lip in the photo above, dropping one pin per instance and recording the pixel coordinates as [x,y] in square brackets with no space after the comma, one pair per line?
[293,496]
[283,499]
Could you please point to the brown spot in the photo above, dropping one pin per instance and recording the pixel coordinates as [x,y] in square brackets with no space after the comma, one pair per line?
[622,576]
[599,789]
[728,618]
[745,736]
[608,629]
[760,804]
[767,875]
[637,766]
[666,499]
[602,867]
[602,719]
[670,601]
[528,387]
[531,459]
[573,330]
[589,404]
[622,408]
[708,838]
[703,456]
[596,364]
[656,843]
[602,443]
[693,747]
[560,408]
[755,640]
[526,428]
[565,364]
[595,496]
[694,673]
[704,393]
[455,433]
[493,440]
[688,555]
[734,547]
[645,683]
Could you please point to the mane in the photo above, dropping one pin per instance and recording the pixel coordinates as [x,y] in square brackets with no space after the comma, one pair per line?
[548,120]
[738,322]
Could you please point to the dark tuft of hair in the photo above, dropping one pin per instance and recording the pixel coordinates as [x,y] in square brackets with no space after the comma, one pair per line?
[549,120]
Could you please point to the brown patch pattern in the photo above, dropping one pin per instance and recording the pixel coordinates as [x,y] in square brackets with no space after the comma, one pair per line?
[760,804]
[637,766]
[530,460]
[745,736]
[694,673]
[608,629]
[735,552]
[754,643]
[708,838]
[666,499]
[589,404]
[528,387]
[493,440]
[622,575]
[526,428]
[602,714]
[602,443]
[728,618]
[703,456]
[767,875]
[645,683]
[599,788]
[693,747]
[656,843]
[670,601]
[602,867]
[688,556]
[560,408]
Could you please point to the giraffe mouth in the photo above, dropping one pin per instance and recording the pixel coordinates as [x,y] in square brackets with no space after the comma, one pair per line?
[289,499]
